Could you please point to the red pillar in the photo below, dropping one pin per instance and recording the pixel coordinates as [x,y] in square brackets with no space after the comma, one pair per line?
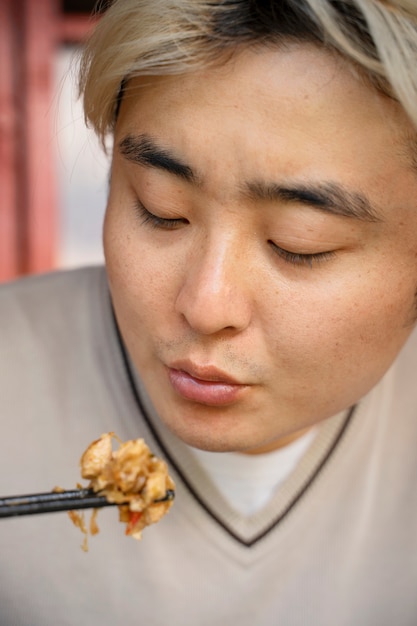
[38,31]
[30,32]
[28,36]
[8,183]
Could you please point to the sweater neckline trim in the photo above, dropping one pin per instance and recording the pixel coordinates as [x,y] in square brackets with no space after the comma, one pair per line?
[245,531]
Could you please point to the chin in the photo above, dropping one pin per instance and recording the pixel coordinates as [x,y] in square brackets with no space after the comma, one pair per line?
[215,437]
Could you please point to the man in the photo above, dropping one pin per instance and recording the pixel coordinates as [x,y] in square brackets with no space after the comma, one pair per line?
[254,324]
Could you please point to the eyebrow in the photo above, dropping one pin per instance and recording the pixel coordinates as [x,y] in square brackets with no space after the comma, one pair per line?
[143,150]
[331,197]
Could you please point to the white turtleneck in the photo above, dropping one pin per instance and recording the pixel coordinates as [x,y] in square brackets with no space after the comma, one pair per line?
[248,481]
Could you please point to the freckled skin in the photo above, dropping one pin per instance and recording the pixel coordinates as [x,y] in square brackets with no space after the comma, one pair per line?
[309,339]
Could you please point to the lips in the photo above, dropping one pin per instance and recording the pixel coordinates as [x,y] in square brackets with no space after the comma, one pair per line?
[204,384]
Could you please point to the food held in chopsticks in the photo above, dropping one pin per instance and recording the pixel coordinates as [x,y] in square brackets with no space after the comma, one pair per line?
[131,477]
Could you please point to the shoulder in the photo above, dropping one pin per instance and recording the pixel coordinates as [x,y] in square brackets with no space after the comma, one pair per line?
[59,283]
[50,308]
[46,295]
[404,372]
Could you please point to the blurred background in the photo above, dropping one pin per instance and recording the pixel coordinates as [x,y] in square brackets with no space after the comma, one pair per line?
[53,173]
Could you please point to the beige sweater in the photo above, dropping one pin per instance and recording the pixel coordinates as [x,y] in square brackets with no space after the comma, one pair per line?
[337,546]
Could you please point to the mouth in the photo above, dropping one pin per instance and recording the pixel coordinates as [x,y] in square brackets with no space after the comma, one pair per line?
[204,384]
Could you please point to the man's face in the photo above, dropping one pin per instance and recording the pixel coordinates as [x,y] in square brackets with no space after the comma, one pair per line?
[261,243]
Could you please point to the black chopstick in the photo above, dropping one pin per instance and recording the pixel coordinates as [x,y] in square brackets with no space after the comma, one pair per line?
[13,506]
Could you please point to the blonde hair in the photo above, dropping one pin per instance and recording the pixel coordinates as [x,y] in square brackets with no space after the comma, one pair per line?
[159,37]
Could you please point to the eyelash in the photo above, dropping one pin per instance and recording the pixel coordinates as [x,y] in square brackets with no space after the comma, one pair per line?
[293,258]
[154,221]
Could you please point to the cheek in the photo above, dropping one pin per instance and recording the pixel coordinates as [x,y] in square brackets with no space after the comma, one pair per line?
[141,280]
[347,331]
[328,350]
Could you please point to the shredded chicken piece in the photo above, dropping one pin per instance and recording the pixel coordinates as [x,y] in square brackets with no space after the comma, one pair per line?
[94,529]
[78,519]
[130,476]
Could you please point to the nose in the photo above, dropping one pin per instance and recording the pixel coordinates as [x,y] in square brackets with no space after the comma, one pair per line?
[215,294]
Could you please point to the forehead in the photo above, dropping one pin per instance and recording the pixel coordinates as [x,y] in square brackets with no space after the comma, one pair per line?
[293,111]
[302,65]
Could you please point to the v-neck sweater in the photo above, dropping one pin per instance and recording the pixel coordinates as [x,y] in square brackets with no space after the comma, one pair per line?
[336,544]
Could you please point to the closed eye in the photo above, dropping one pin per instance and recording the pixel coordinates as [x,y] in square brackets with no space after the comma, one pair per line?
[297,258]
[155,221]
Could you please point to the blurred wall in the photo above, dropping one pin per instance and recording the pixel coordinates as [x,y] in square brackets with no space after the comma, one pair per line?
[82,172]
